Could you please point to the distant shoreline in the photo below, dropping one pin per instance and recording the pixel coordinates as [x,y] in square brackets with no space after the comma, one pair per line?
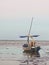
[26,40]
[21,42]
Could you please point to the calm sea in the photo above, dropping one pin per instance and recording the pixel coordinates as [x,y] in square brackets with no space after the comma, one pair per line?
[13,51]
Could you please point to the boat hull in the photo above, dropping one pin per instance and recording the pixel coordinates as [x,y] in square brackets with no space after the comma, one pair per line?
[32,49]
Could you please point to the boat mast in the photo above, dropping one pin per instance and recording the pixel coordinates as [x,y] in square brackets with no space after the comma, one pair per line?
[30,30]
[30,26]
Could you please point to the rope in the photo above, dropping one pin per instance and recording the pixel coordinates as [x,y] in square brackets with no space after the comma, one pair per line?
[30,26]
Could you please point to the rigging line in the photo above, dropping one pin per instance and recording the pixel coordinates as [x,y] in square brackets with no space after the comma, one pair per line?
[30,26]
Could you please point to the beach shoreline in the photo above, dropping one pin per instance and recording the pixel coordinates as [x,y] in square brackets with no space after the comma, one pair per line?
[9,49]
[15,42]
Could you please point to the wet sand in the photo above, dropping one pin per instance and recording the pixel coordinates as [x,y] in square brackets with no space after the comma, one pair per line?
[9,63]
[11,53]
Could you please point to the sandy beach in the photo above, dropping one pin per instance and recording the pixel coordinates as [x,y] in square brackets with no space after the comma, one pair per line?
[11,53]
[9,63]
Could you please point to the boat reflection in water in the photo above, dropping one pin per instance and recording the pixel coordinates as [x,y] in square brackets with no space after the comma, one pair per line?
[30,57]
[30,53]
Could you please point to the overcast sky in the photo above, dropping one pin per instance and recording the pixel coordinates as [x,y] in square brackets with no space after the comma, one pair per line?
[15,18]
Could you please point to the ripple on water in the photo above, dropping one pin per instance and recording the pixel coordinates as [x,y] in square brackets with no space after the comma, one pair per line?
[16,54]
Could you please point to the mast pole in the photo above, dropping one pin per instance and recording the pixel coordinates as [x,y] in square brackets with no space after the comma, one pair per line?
[30,30]
[30,26]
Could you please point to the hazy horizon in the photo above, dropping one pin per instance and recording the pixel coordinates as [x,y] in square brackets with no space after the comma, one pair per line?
[16,15]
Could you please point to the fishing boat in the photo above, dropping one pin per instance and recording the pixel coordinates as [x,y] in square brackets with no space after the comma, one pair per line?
[30,45]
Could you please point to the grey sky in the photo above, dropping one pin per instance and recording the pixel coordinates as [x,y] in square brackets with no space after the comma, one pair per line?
[15,18]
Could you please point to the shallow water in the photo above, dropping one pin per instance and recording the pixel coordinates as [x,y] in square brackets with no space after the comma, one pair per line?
[15,53]
[10,52]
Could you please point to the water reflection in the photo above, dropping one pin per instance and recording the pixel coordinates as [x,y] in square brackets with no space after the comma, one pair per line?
[33,59]
[15,53]
[39,58]
[32,54]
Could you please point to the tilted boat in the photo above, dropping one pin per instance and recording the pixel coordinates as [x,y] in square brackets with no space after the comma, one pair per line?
[30,46]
